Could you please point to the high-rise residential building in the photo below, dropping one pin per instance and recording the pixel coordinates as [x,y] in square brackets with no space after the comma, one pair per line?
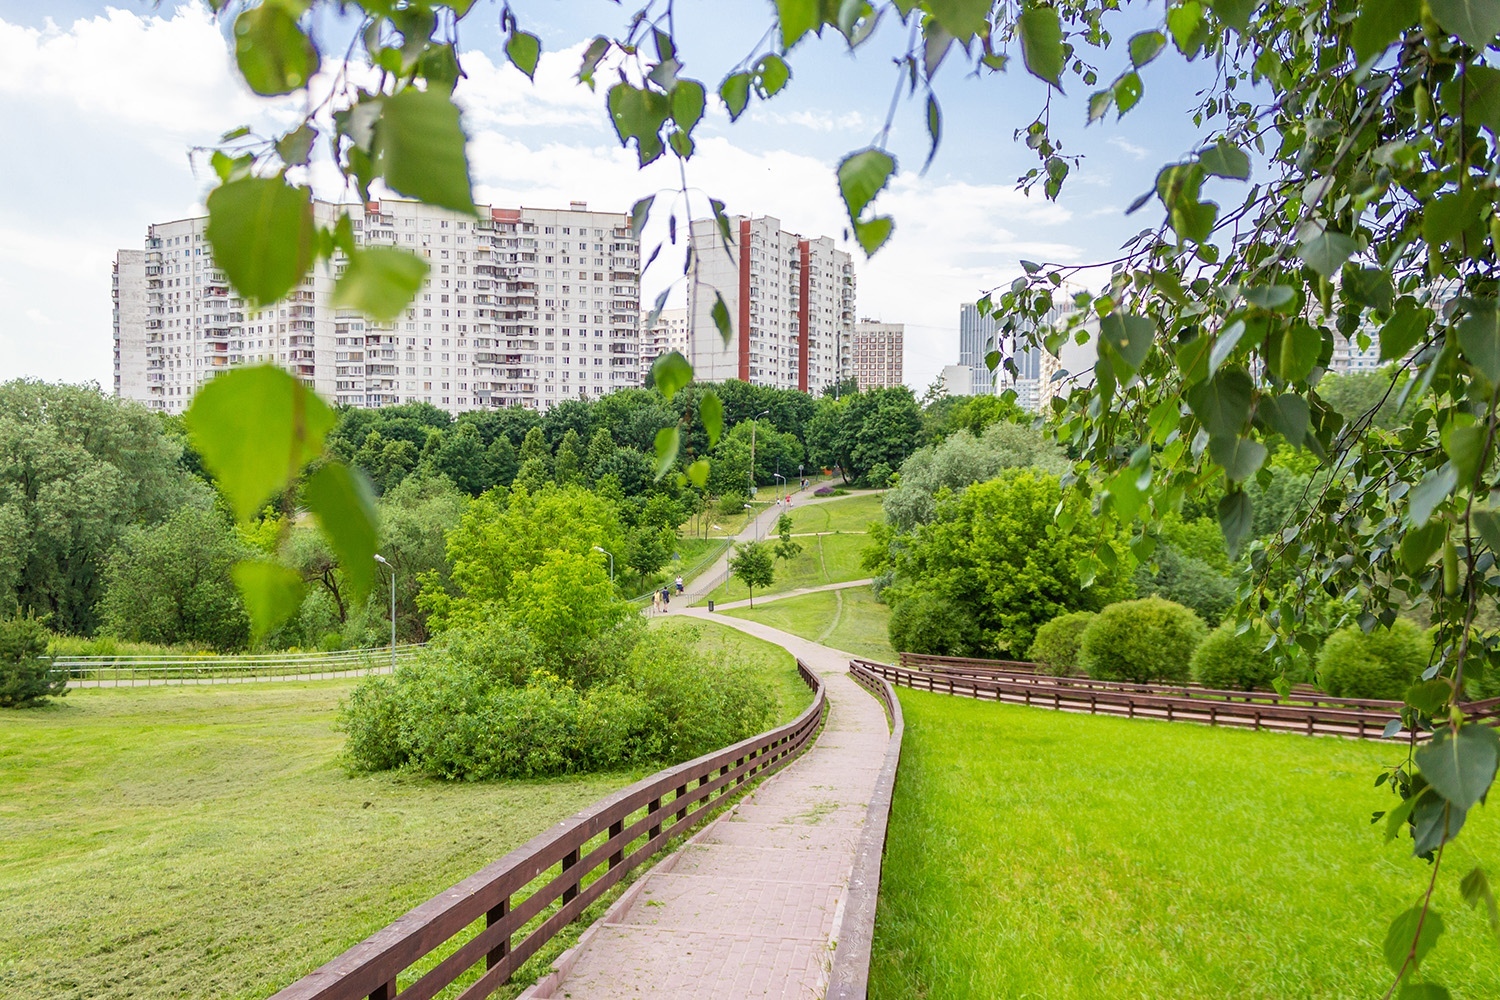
[957,380]
[670,333]
[522,307]
[875,354]
[978,335]
[1349,357]
[790,301]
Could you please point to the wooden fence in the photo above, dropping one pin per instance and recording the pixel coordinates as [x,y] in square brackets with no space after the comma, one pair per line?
[129,670]
[553,877]
[1302,711]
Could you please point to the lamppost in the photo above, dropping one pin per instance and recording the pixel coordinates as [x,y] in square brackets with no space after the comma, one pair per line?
[753,425]
[611,562]
[381,559]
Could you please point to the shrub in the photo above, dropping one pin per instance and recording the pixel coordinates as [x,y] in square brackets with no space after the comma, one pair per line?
[1190,582]
[1234,662]
[1150,639]
[26,676]
[934,624]
[731,504]
[1381,664]
[1055,648]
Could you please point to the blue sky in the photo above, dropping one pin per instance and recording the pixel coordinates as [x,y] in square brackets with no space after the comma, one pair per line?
[111,97]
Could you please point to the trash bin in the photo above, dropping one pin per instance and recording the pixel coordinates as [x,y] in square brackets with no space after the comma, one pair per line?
[710,607]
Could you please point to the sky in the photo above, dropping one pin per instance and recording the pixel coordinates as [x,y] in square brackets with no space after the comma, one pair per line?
[102,105]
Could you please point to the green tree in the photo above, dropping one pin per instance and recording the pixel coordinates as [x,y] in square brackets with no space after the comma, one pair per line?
[26,675]
[786,546]
[647,549]
[415,519]
[461,456]
[171,584]
[568,467]
[601,449]
[503,462]
[534,448]
[753,565]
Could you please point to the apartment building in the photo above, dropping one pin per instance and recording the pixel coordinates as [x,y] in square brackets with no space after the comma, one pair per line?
[790,301]
[670,333]
[875,354]
[522,307]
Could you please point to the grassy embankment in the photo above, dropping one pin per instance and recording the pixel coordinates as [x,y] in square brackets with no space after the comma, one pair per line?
[1042,854]
[831,556]
[167,842]
[851,620]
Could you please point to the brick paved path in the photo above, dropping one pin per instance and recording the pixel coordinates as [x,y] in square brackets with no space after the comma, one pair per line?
[751,906]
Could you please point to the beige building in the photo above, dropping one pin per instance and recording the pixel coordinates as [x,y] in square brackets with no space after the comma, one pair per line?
[522,307]
[670,333]
[790,301]
[876,352]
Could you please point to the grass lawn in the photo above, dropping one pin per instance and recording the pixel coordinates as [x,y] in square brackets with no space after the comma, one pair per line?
[823,559]
[844,514]
[851,620]
[204,841]
[1041,854]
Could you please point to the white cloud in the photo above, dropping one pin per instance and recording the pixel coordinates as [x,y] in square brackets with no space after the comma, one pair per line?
[817,120]
[1128,147]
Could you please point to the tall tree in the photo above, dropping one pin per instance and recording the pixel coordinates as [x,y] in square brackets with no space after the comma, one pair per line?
[753,565]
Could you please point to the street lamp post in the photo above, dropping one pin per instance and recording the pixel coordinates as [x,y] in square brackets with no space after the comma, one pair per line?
[611,562]
[753,424]
[381,559]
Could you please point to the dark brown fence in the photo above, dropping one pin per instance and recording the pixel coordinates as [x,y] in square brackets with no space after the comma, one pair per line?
[850,974]
[572,864]
[1301,711]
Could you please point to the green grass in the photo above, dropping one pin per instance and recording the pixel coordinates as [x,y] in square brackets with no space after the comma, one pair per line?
[851,620]
[845,514]
[823,559]
[1041,854]
[204,841]
[778,668]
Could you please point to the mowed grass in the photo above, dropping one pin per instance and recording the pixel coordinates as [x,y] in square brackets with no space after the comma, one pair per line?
[849,619]
[205,842]
[1042,854]
[844,514]
[823,559]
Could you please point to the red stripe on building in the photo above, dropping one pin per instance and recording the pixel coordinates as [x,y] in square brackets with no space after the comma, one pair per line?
[804,333]
[744,330]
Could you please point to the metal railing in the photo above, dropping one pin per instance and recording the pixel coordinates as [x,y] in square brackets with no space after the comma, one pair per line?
[144,669]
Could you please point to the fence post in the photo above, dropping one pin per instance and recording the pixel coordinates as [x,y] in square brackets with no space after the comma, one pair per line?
[652,808]
[615,829]
[681,791]
[570,860]
[492,917]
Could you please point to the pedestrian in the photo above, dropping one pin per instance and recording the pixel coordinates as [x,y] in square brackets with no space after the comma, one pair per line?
[655,602]
[666,598]
[679,583]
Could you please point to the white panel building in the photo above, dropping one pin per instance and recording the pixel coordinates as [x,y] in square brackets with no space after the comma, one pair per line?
[790,301]
[522,307]
[670,333]
[876,354]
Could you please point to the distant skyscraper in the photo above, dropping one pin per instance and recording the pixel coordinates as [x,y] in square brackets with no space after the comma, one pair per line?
[977,337]
[875,360]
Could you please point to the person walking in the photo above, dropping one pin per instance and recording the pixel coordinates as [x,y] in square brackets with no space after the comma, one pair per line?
[655,603]
[679,584]
[666,598]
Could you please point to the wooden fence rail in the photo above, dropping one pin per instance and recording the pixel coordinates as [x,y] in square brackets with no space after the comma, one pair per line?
[553,877]
[1302,713]
[129,669]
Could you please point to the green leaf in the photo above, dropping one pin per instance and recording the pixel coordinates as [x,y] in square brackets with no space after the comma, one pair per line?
[1429,697]
[1224,344]
[1224,160]
[1402,331]
[273,54]
[1236,520]
[1434,821]
[1445,217]
[1464,443]
[638,113]
[271,592]
[256,428]
[862,175]
[1475,21]
[1412,933]
[797,18]
[735,93]
[1397,817]
[380,282]
[934,128]
[295,148]
[524,49]
[1127,91]
[1480,96]
[1475,888]
[1222,404]
[1269,297]
[668,440]
[1294,353]
[420,149]
[341,500]
[590,62]
[688,101]
[1146,46]
[1431,491]
[1235,13]
[1192,359]
[1422,991]
[1479,339]
[1184,21]
[638,214]
[720,314]
[1488,524]
[697,473]
[1460,764]
[1419,545]
[263,235]
[1041,42]
[1129,337]
[1287,415]
[1327,252]
[771,74]
[1380,23]
[670,373]
[1178,187]
[1241,457]
[1100,103]
[873,233]
[711,411]
[963,19]
[1368,286]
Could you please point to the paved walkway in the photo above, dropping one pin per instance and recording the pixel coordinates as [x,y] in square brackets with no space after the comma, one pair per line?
[751,906]
[768,598]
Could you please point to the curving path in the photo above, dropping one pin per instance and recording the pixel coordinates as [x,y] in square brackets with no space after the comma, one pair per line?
[751,906]
[782,595]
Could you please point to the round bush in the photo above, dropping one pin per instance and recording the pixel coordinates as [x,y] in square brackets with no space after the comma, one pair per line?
[1146,640]
[1231,662]
[1382,664]
[934,625]
[1055,648]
